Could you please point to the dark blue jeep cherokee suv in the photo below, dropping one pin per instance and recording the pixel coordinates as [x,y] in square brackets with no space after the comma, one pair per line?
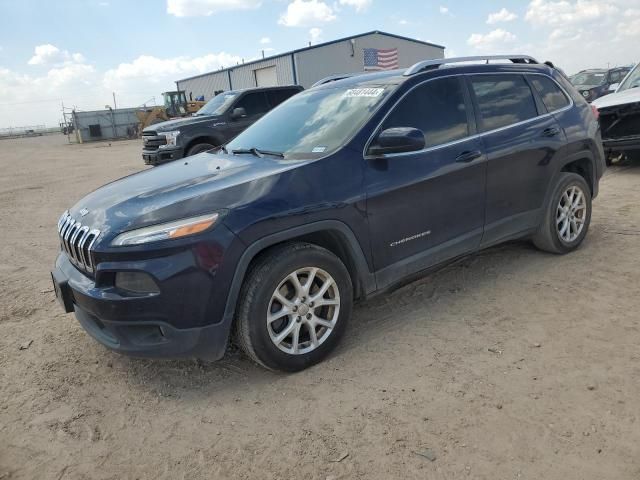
[342,191]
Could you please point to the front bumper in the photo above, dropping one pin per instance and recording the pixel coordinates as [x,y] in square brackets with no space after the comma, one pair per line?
[155,339]
[186,318]
[161,155]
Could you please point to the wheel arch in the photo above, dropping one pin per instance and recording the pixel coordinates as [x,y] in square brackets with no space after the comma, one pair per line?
[215,141]
[332,235]
[582,163]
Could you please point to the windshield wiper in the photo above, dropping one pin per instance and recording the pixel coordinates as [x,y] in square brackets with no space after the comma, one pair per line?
[257,152]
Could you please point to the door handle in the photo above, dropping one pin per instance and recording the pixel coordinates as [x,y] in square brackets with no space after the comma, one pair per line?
[550,132]
[468,156]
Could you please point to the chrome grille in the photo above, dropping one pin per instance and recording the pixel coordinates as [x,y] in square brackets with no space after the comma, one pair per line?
[76,240]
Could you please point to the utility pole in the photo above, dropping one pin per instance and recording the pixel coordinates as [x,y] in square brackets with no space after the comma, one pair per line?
[66,124]
[114,101]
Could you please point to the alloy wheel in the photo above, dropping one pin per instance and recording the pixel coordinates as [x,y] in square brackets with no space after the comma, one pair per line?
[571,214]
[303,310]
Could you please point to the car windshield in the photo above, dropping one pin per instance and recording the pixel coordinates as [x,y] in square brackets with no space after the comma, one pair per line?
[589,78]
[632,80]
[314,123]
[218,104]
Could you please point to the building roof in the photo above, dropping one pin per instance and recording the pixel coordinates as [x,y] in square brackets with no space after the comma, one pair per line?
[311,48]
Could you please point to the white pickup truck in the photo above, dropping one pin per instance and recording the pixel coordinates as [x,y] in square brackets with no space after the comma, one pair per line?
[619,115]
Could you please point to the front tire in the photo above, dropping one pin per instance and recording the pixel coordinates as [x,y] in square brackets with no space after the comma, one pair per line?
[294,307]
[567,216]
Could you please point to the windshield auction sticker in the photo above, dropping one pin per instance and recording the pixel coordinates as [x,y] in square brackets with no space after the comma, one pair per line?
[363,92]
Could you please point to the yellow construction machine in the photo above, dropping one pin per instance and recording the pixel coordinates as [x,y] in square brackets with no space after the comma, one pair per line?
[175,105]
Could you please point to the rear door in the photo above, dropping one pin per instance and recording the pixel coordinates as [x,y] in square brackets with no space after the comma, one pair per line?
[424,207]
[521,141]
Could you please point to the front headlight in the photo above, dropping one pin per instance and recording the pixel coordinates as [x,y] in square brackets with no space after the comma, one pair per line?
[171,138]
[166,231]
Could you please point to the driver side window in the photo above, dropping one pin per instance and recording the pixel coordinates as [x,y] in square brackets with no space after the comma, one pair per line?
[437,108]
[253,103]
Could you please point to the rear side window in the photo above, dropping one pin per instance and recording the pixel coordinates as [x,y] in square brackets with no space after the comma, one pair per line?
[276,97]
[437,108]
[552,97]
[503,100]
[254,103]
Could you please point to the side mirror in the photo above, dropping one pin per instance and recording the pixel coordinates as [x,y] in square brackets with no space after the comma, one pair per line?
[613,87]
[397,140]
[238,112]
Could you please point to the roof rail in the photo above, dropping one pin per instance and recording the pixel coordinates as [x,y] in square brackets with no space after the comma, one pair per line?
[334,78]
[428,64]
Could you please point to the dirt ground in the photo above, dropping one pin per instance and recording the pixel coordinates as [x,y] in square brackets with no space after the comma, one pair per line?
[510,364]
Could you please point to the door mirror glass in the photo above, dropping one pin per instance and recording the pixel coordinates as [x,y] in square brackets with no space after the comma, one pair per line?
[613,87]
[238,112]
[397,140]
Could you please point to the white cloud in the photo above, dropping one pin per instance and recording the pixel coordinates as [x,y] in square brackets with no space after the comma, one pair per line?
[45,54]
[206,8]
[359,5]
[48,54]
[402,21]
[315,34]
[265,41]
[80,84]
[302,13]
[503,15]
[560,13]
[150,69]
[104,4]
[494,40]
[444,10]
[37,98]
[571,32]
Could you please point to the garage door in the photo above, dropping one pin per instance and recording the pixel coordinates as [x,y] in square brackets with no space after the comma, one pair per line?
[266,77]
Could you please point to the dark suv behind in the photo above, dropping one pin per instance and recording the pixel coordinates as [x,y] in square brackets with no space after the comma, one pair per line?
[596,83]
[344,190]
[222,118]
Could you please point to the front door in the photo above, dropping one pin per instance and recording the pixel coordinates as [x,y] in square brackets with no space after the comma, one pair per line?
[428,206]
[255,105]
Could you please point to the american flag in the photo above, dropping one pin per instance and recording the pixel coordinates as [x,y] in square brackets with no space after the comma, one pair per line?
[380,58]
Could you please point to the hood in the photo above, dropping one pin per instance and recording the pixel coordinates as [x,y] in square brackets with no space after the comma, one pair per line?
[630,95]
[175,124]
[197,185]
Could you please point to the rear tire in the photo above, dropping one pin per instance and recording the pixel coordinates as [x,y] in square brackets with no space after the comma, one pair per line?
[294,307]
[567,216]
[199,148]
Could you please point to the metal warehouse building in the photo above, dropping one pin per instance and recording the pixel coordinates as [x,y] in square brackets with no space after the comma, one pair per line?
[306,66]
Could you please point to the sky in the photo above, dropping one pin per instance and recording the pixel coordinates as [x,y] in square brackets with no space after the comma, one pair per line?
[82,51]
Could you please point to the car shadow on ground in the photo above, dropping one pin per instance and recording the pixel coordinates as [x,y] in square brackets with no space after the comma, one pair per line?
[370,323]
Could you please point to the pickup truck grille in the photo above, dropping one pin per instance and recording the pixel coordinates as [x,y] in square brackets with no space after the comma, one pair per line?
[152,141]
[76,240]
